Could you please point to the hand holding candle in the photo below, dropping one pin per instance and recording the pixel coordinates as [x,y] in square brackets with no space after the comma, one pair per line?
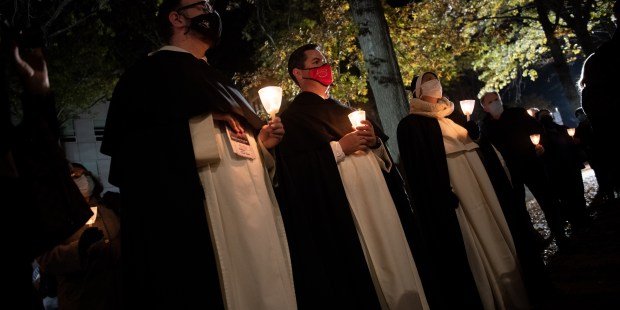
[271,97]
[535,138]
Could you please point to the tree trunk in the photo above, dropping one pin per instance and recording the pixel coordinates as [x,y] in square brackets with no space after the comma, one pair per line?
[385,80]
[559,63]
[576,14]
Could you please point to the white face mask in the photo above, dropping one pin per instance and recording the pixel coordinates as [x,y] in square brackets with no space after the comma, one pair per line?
[85,184]
[495,108]
[431,88]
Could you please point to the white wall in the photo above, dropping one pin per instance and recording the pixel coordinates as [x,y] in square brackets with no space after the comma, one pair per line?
[81,145]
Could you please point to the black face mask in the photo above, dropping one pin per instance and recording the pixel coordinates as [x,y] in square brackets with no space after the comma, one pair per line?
[209,25]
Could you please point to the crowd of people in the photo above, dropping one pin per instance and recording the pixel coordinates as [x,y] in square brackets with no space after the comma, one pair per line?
[222,209]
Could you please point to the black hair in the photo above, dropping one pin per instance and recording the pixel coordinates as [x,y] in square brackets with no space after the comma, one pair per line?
[163,24]
[298,57]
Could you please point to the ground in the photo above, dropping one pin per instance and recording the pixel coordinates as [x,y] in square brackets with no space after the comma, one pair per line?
[588,275]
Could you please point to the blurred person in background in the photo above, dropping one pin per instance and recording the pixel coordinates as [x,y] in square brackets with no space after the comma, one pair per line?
[564,166]
[87,264]
[36,191]
[585,140]
[509,129]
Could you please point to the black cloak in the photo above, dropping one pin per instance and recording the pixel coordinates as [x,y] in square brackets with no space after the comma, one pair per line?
[447,278]
[167,255]
[528,242]
[329,266]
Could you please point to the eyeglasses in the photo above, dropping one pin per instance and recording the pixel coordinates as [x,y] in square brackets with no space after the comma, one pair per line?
[200,5]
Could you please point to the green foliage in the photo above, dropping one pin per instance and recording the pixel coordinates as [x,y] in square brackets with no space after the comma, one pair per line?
[92,72]
[90,43]
[501,40]
[429,36]
[83,52]
[286,25]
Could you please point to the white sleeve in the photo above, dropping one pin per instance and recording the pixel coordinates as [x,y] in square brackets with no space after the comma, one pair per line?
[339,154]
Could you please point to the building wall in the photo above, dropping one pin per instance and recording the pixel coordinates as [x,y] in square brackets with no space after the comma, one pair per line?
[82,141]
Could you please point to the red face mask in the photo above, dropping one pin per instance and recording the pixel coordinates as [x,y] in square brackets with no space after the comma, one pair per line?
[321,74]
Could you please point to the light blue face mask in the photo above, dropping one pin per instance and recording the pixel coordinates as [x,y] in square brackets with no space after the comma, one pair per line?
[495,107]
[85,184]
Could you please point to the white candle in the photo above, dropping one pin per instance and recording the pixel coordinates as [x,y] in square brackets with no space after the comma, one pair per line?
[271,97]
[535,138]
[467,106]
[356,117]
[571,131]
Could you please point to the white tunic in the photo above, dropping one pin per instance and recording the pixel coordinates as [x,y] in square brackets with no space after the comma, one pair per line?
[490,250]
[389,259]
[488,242]
[247,229]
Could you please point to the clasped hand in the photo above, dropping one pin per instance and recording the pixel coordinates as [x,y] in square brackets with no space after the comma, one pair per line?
[359,140]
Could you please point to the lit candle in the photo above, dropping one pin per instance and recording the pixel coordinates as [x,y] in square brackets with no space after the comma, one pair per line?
[356,117]
[93,218]
[535,138]
[571,131]
[271,97]
[467,106]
